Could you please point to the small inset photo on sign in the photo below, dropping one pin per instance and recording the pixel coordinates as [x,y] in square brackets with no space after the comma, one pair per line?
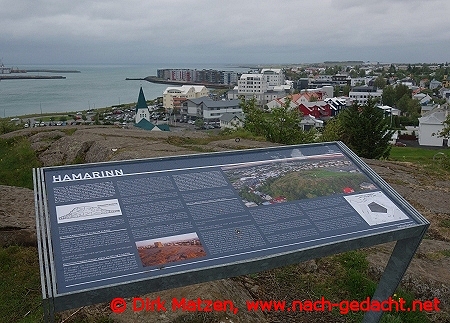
[164,250]
[376,208]
[87,211]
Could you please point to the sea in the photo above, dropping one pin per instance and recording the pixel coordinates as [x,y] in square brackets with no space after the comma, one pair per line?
[96,86]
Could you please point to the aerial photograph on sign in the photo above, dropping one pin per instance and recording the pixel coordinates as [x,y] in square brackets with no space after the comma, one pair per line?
[296,178]
[163,250]
[87,211]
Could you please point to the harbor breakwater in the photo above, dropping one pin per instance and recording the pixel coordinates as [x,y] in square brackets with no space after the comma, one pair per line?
[30,77]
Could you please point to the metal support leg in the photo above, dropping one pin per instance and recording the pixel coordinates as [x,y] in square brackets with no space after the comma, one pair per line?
[49,311]
[395,269]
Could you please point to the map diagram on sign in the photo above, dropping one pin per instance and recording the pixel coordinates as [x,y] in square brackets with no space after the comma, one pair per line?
[87,211]
[375,208]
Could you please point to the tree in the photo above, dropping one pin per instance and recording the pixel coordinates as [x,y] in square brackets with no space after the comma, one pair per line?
[445,132]
[7,126]
[414,108]
[346,90]
[283,126]
[366,131]
[380,82]
[389,96]
[401,90]
[97,118]
[392,69]
[333,130]
[199,123]
[403,103]
[254,118]
[280,125]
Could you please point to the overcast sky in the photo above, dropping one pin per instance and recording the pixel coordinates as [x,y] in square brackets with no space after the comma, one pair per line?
[216,31]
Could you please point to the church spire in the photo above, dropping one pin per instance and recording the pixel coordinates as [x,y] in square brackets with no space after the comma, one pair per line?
[142,103]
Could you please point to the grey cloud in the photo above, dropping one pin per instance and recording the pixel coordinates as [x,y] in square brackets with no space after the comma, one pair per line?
[196,30]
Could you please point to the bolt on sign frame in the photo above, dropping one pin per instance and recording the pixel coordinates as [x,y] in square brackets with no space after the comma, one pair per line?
[126,228]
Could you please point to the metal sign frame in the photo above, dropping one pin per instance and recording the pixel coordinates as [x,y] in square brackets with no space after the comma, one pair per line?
[65,269]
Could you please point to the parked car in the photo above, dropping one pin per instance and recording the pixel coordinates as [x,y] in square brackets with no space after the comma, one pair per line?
[400,144]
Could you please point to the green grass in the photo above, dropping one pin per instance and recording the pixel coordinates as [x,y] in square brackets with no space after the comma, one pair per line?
[445,223]
[20,297]
[239,133]
[344,277]
[421,156]
[356,282]
[17,160]
[69,131]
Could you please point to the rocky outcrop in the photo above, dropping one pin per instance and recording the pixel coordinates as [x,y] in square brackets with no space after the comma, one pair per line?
[17,216]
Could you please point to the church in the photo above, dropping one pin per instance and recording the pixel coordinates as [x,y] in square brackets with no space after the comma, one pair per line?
[142,116]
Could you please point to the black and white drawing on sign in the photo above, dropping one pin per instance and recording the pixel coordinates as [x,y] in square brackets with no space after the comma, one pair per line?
[376,208]
[87,211]
[159,251]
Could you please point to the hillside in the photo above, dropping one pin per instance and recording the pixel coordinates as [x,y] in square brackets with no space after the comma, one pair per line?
[428,275]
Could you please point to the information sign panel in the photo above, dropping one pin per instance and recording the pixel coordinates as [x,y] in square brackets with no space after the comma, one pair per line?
[106,226]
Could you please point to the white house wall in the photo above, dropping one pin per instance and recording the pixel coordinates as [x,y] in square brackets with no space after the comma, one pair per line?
[215,114]
[426,137]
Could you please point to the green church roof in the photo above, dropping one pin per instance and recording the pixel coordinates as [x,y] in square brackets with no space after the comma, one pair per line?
[142,103]
[163,127]
[145,124]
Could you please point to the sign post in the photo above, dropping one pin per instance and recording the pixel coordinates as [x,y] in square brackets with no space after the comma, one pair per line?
[133,227]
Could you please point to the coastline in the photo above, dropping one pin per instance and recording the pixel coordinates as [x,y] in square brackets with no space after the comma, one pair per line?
[96,86]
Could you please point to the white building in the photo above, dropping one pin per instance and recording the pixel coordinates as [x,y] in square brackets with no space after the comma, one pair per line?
[232,120]
[264,87]
[422,98]
[358,81]
[389,111]
[273,76]
[208,109]
[252,84]
[361,94]
[308,122]
[430,125]
[183,92]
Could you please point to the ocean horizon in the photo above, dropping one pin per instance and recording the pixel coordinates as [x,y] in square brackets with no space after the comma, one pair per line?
[96,86]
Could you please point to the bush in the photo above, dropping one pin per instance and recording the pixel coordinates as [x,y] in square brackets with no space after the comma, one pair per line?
[8,126]
[17,160]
